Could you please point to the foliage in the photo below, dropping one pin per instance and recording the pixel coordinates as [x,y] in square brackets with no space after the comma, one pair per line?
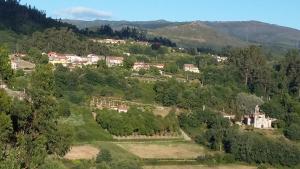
[104,156]
[29,127]
[25,19]
[136,121]
[5,67]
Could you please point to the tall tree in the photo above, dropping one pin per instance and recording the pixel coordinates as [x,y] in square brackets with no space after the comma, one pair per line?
[5,66]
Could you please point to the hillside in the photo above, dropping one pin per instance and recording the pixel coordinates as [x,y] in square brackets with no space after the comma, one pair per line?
[259,32]
[196,34]
[193,34]
[25,19]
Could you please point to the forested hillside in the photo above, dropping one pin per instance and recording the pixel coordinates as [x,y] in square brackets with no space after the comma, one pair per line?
[25,19]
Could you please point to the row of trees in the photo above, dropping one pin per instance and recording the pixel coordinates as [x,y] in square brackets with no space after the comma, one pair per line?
[136,121]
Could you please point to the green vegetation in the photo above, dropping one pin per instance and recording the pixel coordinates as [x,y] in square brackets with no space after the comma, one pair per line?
[86,129]
[38,127]
[136,121]
[29,128]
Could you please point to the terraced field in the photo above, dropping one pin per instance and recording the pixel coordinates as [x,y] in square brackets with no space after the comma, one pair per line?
[164,150]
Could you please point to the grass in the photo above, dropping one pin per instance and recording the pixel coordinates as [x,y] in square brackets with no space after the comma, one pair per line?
[85,127]
[227,166]
[117,152]
[164,149]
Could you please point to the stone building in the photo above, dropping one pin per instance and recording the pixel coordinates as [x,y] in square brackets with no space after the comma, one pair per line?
[258,119]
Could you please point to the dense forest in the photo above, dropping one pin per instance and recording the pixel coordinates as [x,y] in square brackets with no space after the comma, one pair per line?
[24,19]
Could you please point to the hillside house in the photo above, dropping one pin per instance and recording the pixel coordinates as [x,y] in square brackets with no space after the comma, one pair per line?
[122,108]
[258,120]
[56,58]
[219,58]
[140,65]
[19,64]
[112,61]
[110,41]
[159,66]
[190,68]
[76,59]
[93,59]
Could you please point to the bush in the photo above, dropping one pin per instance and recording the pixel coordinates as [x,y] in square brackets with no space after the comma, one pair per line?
[292,132]
[104,156]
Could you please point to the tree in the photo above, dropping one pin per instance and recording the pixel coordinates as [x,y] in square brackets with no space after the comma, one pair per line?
[292,132]
[5,67]
[35,56]
[171,68]
[128,62]
[291,71]
[104,156]
[246,103]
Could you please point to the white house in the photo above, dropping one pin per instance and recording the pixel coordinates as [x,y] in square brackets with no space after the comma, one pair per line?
[190,68]
[220,58]
[259,120]
[56,58]
[93,59]
[140,65]
[159,65]
[112,61]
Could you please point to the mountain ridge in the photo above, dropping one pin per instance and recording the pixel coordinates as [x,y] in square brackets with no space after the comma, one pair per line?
[246,32]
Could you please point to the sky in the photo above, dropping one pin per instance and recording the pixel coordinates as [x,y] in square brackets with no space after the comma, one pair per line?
[280,12]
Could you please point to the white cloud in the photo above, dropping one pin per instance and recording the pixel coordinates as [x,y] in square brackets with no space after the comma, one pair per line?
[83,13]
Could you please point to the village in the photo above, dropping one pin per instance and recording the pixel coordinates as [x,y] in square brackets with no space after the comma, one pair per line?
[257,119]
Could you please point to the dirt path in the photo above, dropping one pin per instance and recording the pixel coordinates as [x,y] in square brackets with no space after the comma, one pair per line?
[185,136]
[85,152]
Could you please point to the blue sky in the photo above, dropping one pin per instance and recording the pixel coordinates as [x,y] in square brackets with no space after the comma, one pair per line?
[281,12]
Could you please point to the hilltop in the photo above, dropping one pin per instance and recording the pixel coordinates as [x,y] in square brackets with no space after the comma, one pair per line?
[197,34]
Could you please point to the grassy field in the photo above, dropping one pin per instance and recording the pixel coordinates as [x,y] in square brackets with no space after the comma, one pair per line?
[85,127]
[116,151]
[164,150]
[229,166]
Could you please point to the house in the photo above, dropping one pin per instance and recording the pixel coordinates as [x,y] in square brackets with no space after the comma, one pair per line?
[93,59]
[2,85]
[219,58]
[229,117]
[258,120]
[19,64]
[110,41]
[75,59]
[190,68]
[122,109]
[56,58]
[112,61]
[159,66]
[140,65]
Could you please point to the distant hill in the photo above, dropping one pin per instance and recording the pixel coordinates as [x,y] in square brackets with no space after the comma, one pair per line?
[199,33]
[120,24]
[259,32]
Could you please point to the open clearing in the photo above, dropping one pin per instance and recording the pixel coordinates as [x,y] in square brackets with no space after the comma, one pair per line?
[233,166]
[85,152]
[164,150]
